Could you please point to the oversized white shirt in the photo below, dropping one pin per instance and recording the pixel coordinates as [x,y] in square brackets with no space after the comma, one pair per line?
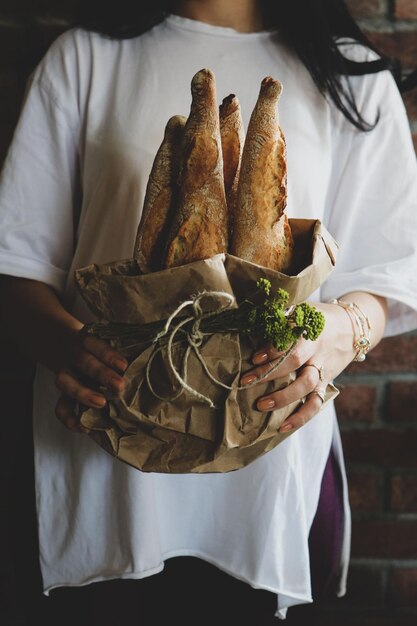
[71,194]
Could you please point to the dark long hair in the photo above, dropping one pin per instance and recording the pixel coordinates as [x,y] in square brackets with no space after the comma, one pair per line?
[309,27]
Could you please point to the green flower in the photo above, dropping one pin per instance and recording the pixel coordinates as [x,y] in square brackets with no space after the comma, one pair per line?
[265,285]
[272,322]
[309,320]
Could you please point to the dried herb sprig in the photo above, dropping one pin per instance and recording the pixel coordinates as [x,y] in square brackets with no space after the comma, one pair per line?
[271,321]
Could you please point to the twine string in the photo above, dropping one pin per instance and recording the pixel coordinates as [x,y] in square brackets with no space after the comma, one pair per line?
[194,338]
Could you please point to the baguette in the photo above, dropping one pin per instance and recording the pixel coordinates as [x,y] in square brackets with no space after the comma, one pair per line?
[233,139]
[160,198]
[261,231]
[200,228]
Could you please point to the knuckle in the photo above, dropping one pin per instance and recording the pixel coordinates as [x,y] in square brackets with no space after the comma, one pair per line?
[267,369]
[89,364]
[109,355]
[302,420]
[297,360]
[262,371]
[319,404]
[60,380]
[310,376]
[316,404]
[82,395]
[94,369]
[96,347]
[106,376]
[99,372]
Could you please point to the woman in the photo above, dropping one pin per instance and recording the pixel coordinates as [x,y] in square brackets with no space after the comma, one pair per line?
[71,194]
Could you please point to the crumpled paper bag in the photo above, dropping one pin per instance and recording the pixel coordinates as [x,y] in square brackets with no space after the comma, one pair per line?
[155,426]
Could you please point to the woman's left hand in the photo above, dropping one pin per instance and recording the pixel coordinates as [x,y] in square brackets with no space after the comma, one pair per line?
[316,363]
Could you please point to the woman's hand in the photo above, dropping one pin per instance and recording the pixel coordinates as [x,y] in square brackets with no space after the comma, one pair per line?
[93,371]
[47,333]
[316,363]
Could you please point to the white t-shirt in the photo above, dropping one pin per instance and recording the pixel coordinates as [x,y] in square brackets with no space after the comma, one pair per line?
[71,194]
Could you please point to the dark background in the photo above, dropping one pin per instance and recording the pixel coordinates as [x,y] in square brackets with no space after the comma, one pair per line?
[377,406]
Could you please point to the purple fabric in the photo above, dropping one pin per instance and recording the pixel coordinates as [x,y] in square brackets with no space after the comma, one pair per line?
[326,533]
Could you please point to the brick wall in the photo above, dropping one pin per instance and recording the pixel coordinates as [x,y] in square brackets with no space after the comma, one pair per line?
[378,416]
[377,405]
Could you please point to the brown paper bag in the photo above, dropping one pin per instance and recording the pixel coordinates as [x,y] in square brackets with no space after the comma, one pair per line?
[157,426]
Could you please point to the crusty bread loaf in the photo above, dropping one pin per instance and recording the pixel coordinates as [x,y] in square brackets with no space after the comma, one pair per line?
[259,234]
[160,198]
[285,243]
[200,228]
[233,138]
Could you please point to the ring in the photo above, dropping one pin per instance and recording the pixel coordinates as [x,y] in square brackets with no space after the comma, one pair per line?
[319,369]
[321,392]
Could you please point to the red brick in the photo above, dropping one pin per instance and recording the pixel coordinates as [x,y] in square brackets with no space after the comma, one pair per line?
[356,403]
[406,9]
[403,588]
[382,447]
[401,45]
[365,8]
[393,354]
[403,493]
[384,539]
[402,401]
[364,490]
[410,101]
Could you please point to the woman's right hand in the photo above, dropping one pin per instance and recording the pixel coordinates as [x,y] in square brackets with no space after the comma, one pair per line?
[92,369]
[47,333]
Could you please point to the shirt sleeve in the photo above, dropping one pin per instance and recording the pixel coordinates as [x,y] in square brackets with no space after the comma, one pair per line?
[371,207]
[39,182]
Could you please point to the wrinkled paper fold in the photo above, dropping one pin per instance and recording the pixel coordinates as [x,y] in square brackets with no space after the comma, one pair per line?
[182,434]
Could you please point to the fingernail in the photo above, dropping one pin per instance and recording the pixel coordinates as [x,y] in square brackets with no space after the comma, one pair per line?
[117,383]
[266,405]
[120,364]
[247,380]
[98,401]
[259,357]
[286,428]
